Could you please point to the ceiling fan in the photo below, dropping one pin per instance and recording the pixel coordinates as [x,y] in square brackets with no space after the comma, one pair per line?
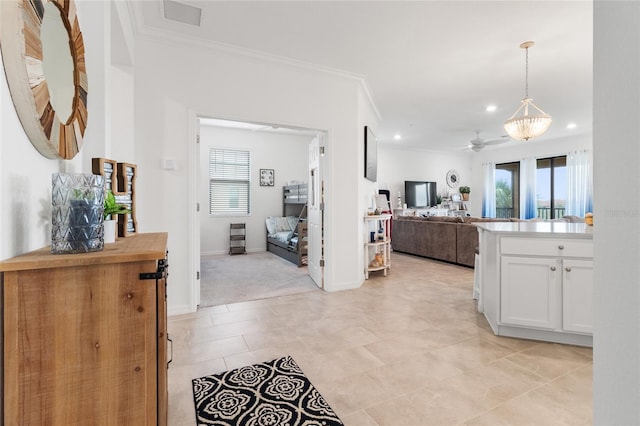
[477,144]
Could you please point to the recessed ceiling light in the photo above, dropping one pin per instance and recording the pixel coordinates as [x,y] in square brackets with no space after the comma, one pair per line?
[397,137]
[491,108]
[571,126]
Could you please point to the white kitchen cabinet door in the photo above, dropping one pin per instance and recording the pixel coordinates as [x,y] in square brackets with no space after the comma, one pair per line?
[577,296]
[529,292]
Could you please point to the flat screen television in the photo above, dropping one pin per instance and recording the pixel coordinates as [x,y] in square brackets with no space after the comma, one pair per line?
[419,195]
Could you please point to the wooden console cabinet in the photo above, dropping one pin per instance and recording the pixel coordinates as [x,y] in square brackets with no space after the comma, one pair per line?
[85,335]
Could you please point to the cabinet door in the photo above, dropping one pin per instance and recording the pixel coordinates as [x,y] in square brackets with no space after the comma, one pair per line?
[529,292]
[80,346]
[577,296]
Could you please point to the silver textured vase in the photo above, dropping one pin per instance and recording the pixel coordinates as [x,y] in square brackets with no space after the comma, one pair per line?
[77,207]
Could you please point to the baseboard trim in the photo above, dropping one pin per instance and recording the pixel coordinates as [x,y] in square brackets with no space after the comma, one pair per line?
[219,252]
[179,310]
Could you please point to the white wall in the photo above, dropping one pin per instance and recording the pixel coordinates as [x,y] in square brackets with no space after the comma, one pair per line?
[398,165]
[616,336]
[174,81]
[25,175]
[286,154]
[369,117]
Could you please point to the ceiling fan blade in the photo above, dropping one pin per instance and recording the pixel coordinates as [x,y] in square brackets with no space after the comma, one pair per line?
[502,139]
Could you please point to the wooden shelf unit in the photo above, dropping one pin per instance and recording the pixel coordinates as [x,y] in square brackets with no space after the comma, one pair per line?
[85,335]
[381,247]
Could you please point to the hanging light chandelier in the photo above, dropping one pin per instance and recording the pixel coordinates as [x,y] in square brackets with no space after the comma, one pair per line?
[530,124]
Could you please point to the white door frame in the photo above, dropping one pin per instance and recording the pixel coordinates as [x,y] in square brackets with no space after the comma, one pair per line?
[193,220]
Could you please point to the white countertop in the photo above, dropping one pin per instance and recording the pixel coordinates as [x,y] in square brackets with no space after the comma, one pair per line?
[562,229]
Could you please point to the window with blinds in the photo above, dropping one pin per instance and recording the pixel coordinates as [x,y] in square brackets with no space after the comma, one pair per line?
[229,173]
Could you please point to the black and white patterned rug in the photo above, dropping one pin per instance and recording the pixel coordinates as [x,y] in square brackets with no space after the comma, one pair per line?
[266,394]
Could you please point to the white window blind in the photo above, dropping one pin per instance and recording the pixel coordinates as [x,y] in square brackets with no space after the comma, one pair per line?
[229,173]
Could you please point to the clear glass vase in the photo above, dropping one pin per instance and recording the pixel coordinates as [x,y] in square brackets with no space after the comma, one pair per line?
[77,207]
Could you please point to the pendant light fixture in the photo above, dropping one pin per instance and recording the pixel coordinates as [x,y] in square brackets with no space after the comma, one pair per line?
[533,122]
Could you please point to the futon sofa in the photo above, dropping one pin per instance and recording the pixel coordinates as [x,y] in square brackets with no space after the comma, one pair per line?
[447,238]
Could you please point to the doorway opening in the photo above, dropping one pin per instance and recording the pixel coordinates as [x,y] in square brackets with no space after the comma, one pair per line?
[290,155]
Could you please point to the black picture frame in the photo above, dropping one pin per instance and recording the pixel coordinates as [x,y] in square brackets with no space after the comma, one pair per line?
[370,155]
[267,177]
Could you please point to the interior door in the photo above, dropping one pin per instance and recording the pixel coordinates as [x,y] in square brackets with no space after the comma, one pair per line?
[315,254]
[196,218]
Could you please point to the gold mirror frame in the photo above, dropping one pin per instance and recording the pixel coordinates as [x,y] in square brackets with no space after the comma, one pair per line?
[21,45]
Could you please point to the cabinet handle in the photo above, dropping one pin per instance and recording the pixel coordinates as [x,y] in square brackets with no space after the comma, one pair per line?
[171,359]
[561,247]
[553,268]
[568,269]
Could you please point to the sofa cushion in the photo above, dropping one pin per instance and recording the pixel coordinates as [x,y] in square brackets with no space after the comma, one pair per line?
[467,241]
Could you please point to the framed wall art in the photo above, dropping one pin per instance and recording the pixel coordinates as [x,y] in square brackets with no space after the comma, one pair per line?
[370,155]
[267,177]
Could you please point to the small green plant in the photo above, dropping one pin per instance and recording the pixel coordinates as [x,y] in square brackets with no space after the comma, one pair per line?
[113,208]
[465,190]
[439,199]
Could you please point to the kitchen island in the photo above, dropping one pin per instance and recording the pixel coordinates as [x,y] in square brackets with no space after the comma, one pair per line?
[535,280]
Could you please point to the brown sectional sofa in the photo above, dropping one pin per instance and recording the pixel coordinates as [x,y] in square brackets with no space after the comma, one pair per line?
[447,238]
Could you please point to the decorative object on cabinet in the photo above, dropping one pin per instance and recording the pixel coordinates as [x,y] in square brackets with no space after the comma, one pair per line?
[85,336]
[127,223]
[588,218]
[453,178]
[267,177]
[377,250]
[77,206]
[120,178]
[237,238]
[370,155]
[464,191]
[287,235]
[43,55]
[111,210]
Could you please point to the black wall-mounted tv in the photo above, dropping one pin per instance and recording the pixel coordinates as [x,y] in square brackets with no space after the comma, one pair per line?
[420,194]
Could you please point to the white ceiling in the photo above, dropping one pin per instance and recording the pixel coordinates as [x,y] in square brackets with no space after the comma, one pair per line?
[432,67]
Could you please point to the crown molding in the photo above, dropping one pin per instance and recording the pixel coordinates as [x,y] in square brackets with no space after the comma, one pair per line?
[176,39]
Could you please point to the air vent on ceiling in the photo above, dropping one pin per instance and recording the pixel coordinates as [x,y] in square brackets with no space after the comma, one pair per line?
[181,12]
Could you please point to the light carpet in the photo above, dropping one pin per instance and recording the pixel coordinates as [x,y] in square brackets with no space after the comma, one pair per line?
[228,279]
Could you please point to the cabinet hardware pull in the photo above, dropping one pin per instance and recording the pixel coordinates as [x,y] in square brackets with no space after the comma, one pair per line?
[170,359]
[568,269]
[553,268]
[561,247]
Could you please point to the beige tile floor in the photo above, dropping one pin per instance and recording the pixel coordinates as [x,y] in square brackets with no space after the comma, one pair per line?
[406,349]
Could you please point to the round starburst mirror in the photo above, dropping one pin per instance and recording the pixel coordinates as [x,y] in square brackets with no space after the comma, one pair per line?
[43,56]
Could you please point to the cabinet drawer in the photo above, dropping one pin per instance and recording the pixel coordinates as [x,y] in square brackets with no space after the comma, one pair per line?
[547,247]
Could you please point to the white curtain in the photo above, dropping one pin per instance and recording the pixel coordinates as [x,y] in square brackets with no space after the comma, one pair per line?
[579,183]
[489,185]
[528,204]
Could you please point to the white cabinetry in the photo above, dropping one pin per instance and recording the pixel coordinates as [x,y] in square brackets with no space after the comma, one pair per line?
[537,280]
[377,250]
[546,292]
[577,295]
[529,292]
